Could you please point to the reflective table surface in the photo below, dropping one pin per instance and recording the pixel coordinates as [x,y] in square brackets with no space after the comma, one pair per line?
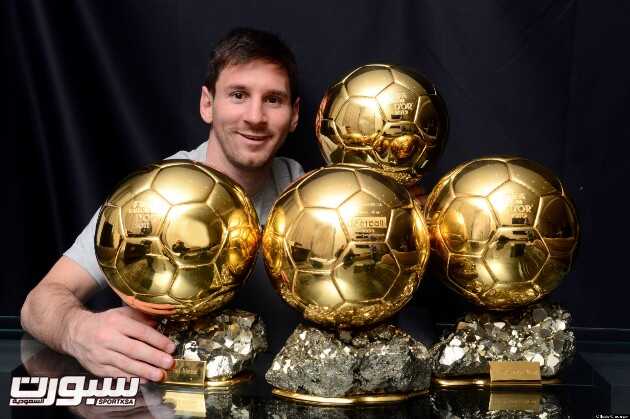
[596,383]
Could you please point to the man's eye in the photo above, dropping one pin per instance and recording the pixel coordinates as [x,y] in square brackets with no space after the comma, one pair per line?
[238,95]
[274,100]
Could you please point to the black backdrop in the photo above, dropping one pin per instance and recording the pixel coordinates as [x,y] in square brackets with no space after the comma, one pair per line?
[95,89]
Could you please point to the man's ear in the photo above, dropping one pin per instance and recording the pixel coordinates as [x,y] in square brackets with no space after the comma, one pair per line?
[295,114]
[205,105]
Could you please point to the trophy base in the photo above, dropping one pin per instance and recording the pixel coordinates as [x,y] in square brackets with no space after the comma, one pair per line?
[215,346]
[201,382]
[485,382]
[379,365]
[538,334]
[358,399]
[240,378]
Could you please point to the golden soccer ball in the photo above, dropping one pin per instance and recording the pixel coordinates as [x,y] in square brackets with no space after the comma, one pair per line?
[346,246]
[385,117]
[177,239]
[503,231]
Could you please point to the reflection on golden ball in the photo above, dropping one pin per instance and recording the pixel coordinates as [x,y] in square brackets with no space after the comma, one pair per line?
[177,239]
[503,231]
[385,117]
[346,246]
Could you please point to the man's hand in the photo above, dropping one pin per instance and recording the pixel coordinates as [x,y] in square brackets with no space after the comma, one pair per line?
[41,361]
[120,342]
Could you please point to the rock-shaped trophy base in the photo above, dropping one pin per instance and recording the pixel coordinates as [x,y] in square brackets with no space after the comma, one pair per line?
[227,341]
[345,364]
[537,333]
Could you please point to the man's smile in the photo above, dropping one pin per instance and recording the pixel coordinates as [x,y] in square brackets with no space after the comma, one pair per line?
[255,137]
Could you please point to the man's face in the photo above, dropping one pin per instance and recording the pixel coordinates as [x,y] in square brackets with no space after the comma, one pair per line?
[251,112]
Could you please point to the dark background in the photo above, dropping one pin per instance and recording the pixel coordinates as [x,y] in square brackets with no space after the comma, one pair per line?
[95,89]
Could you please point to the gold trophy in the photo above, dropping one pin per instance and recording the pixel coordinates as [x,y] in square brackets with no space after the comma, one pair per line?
[503,235]
[386,117]
[347,247]
[176,240]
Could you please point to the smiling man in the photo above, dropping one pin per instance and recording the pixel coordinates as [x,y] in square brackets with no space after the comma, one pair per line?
[251,102]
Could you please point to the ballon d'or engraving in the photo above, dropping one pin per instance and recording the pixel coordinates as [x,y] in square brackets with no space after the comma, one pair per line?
[187,372]
[514,371]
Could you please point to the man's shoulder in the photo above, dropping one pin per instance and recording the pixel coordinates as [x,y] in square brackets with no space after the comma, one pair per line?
[287,169]
[285,172]
[196,154]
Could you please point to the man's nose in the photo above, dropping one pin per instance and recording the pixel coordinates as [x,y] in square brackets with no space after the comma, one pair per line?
[255,113]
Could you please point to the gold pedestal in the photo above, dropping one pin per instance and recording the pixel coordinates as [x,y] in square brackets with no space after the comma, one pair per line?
[360,399]
[503,374]
[186,373]
[486,382]
[193,374]
[240,378]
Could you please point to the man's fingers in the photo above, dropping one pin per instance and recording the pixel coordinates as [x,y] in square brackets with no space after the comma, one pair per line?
[142,352]
[139,316]
[114,372]
[147,334]
[135,368]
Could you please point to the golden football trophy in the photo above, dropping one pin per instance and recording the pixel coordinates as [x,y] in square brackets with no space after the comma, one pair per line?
[347,247]
[503,234]
[385,117]
[176,240]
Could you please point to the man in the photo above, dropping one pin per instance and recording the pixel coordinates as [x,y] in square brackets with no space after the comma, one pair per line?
[250,99]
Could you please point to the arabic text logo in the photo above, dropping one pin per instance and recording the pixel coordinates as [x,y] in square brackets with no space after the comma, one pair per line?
[71,390]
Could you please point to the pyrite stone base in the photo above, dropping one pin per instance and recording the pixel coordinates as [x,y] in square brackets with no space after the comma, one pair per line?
[345,364]
[538,333]
[227,341]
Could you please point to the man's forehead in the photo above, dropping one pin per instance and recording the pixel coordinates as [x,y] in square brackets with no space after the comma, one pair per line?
[255,74]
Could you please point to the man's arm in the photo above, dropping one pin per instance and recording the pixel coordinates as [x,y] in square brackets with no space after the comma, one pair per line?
[120,342]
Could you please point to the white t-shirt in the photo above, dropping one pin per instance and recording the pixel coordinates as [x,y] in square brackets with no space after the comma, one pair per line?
[284,172]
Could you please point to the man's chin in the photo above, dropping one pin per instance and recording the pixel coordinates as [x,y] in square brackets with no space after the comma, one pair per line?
[251,164]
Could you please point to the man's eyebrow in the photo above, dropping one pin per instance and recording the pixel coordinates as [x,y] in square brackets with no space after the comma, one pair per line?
[273,92]
[236,87]
[280,93]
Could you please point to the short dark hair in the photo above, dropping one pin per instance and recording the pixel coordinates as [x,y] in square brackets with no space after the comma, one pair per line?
[242,45]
